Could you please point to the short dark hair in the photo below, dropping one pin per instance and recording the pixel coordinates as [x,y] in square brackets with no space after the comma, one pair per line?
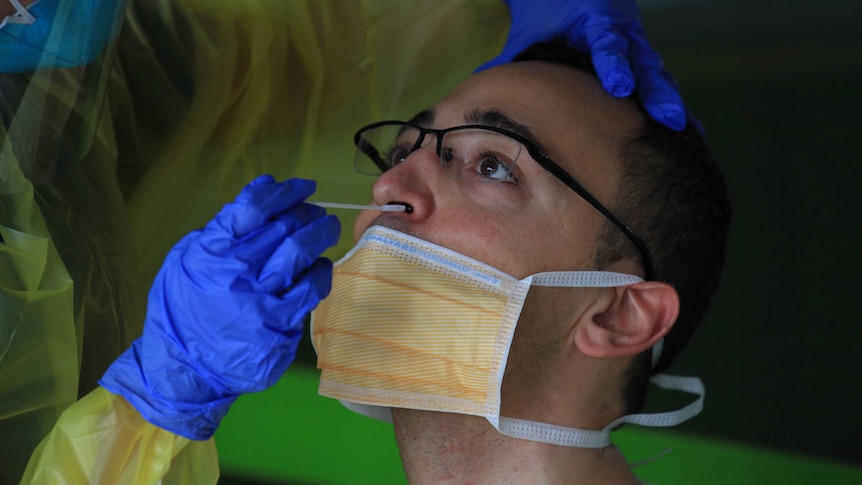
[673,196]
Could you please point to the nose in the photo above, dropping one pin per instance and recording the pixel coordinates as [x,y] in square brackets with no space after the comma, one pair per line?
[413,182]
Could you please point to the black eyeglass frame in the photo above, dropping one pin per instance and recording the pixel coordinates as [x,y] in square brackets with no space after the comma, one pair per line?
[543,160]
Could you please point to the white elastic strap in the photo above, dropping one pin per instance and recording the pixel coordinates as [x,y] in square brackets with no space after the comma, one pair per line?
[22,17]
[553,434]
[691,385]
[581,438]
[584,279]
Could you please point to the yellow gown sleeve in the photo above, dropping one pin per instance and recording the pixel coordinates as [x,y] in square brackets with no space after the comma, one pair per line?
[101,439]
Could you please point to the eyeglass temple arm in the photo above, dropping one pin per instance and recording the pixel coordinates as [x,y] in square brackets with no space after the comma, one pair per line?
[561,174]
[373,154]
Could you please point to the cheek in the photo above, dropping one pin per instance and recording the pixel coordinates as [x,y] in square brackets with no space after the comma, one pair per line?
[495,239]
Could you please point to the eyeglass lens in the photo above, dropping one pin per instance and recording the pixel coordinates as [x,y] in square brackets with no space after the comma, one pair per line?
[468,154]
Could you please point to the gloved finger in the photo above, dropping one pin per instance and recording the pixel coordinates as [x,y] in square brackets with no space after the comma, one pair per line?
[607,45]
[261,201]
[527,26]
[297,253]
[311,286]
[689,118]
[299,216]
[258,245]
[657,89]
[662,101]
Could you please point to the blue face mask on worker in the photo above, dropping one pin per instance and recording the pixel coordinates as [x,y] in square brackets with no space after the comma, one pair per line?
[51,34]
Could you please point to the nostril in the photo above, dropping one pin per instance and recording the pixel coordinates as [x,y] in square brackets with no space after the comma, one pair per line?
[407,207]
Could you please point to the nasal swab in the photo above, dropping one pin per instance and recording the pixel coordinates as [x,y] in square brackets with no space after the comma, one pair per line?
[384,208]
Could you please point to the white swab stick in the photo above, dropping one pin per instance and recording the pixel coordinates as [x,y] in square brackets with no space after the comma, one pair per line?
[384,208]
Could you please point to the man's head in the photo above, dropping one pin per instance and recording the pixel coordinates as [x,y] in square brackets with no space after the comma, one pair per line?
[532,222]
[673,195]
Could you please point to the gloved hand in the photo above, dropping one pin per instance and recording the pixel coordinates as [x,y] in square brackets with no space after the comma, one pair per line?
[226,310]
[611,31]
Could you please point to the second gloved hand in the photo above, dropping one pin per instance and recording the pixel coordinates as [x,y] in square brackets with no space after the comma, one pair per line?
[225,312]
[612,33]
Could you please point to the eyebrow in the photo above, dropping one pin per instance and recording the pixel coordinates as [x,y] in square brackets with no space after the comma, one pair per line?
[424,118]
[485,117]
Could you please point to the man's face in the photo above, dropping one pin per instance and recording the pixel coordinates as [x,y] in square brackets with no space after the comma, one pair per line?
[535,223]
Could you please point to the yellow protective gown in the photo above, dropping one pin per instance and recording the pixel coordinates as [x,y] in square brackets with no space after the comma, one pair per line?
[104,167]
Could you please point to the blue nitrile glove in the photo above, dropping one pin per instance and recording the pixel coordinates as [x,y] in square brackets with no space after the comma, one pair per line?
[611,32]
[226,310]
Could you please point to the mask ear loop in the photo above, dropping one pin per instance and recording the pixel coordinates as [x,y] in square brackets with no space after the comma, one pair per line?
[691,385]
[22,17]
[656,355]
[656,352]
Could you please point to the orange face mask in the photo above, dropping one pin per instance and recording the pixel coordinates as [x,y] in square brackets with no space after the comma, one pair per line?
[410,324]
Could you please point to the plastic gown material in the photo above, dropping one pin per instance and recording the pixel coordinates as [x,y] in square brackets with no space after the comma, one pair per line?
[104,167]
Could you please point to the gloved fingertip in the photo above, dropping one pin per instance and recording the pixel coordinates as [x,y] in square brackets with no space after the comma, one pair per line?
[615,73]
[261,179]
[676,120]
[331,227]
[301,185]
[672,117]
[316,212]
[320,274]
[333,219]
[619,83]
[295,190]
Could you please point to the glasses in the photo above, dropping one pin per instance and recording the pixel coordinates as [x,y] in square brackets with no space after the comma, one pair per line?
[472,153]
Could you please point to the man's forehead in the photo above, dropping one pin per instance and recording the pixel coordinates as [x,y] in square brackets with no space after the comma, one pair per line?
[544,96]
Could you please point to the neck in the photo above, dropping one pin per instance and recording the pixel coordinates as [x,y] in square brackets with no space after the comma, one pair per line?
[453,448]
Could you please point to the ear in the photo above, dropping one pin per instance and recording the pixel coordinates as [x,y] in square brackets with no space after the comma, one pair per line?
[629,321]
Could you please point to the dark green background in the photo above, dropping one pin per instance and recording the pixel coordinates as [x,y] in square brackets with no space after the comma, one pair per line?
[777,86]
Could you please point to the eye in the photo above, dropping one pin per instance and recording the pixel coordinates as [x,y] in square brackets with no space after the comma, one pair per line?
[397,154]
[490,167]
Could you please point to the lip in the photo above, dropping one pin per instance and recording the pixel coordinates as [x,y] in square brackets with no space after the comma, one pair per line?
[392,220]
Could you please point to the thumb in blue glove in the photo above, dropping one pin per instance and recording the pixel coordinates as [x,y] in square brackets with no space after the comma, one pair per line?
[225,312]
[611,32]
